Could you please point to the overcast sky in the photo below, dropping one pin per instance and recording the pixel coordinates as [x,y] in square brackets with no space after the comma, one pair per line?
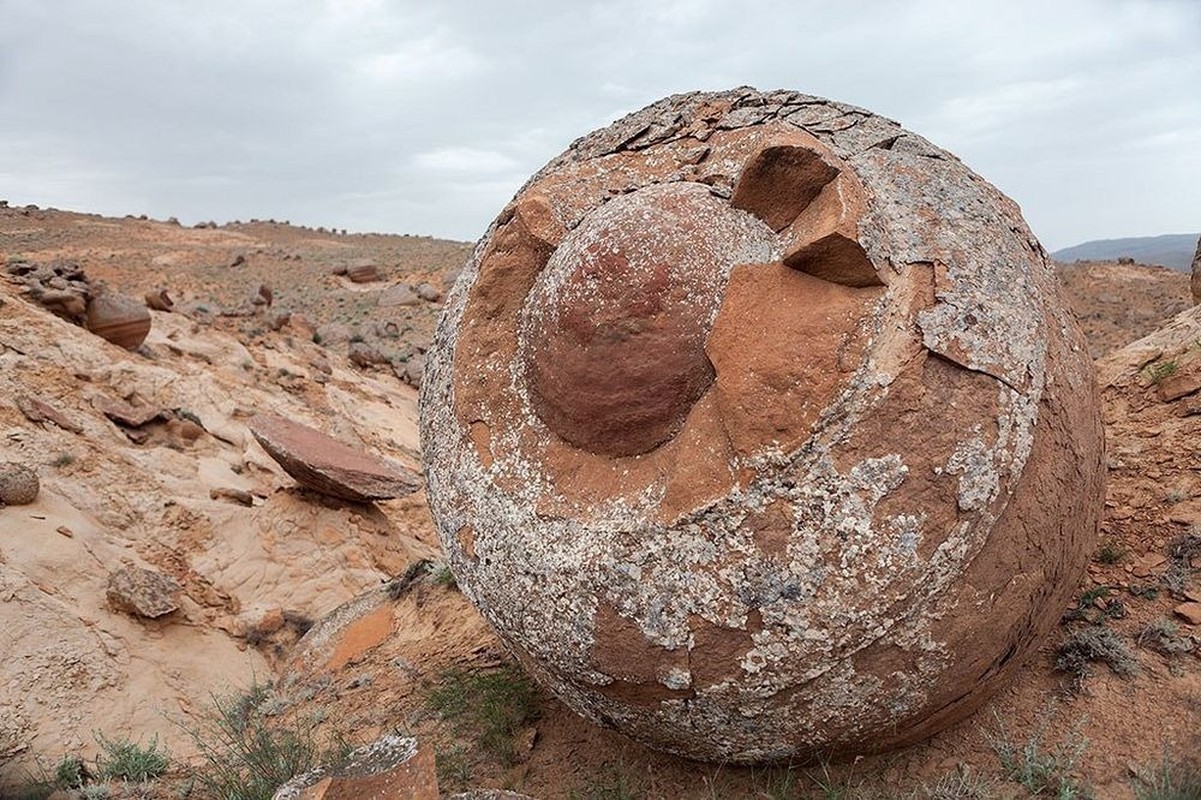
[425,117]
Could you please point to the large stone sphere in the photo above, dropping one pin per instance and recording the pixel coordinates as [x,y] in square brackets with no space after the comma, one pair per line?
[758,429]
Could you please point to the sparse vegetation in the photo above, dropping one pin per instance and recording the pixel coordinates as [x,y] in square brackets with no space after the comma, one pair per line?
[614,783]
[1160,370]
[1110,552]
[1171,780]
[244,759]
[1175,496]
[962,784]
[444,577]
[1041,772]
[454,766]
[1087,646]
[122,759]
[490,707]
[71,772]
[1181,553]
[1163,636]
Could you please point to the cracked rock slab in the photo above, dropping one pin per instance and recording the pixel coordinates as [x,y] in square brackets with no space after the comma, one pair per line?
[757,428]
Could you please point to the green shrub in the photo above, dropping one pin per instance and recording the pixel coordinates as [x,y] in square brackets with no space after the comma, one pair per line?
[121,759]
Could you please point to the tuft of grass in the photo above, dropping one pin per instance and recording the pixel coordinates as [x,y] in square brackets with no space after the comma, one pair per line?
[444,577]
[962,784]
[1087,646]
[1110,552]
[1171,780]
[63,459]
[490,706]
[1161,370]
[1163,637]
[244,759]
[454,766]
[614,783]
[121,759]
[1181,552]
[1041,772]
[71,772]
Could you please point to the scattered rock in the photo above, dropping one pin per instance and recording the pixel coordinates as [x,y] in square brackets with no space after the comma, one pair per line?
[128,414]
[1189,612]
[326,465]
[411,370]
[19,484]
[159,300]
[428,292]
[365,355]
[399,295]
[119,319]
[262,296]
[391,768]
[679,448]
[363,271]
[38,411]
[1179,385]
[143,592]
[332,334]
[239,496]
[278,318]
[238,261]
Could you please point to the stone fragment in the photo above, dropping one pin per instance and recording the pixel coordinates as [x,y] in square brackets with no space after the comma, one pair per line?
[363,271]
[262,296]
[126,413]
[329,466]
[745,452]
[159,300]
[118,319]
[410,370]
[239,496]
[19,485]
[36,410]
[399,295]
[428,292]
[143,592]
[365,355]
[393,767]
[1178,385]
[1189,612]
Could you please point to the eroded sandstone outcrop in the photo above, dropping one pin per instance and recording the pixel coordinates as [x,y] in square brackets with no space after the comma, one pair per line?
[758,429]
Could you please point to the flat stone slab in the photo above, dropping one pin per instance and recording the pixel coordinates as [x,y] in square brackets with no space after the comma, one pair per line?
[324,464]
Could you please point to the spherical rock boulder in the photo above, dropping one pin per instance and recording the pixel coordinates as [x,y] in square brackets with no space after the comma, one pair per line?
[118,318]
[19,485]
[758,429]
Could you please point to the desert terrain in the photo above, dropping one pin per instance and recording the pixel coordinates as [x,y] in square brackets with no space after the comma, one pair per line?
[340,619]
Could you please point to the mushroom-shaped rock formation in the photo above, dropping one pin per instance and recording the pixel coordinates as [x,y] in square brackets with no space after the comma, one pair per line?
[118,318]
[326,465]
[758,429]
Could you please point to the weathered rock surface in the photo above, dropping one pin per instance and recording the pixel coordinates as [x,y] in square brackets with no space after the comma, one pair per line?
[119,319]
[326,465]
[143,592]
[1195,283]
[19,484]
[811,479]
[363,272]
[391,768]
[159,300]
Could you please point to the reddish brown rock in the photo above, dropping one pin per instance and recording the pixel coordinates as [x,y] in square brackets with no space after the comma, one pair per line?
[757,427]
[1195,281]
[329,466]
[363,272]
[159,300]
[118,319]
[1189,612]
[143,592]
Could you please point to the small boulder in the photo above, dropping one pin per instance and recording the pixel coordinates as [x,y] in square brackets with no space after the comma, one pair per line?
[365,355]
[19,484]
[159,300]
[1195,282]
[1189,612]
[143,592]
[399,295]
[326,465]
[393,767]
[428,292]
[363,271]
[119,319]
[332,333]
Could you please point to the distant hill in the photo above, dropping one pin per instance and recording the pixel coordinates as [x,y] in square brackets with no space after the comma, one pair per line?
[1173,250]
